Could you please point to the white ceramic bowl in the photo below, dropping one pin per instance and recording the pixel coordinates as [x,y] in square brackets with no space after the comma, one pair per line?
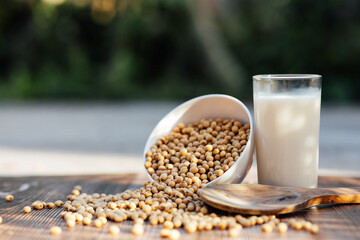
[210,106]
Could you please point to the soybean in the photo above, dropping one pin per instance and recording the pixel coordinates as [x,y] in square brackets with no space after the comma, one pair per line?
[55,230]
[9,198]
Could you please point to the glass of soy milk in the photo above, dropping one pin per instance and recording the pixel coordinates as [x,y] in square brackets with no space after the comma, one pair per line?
[287,122]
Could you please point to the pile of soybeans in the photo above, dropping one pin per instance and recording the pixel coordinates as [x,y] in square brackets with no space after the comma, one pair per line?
[180,164]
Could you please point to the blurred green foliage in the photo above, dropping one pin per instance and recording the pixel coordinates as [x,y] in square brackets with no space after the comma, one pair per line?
[108,49]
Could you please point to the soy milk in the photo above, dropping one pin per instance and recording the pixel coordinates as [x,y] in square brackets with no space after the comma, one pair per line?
[287,138]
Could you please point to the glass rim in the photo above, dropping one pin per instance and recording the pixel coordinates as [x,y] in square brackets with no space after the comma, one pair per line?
[271,77]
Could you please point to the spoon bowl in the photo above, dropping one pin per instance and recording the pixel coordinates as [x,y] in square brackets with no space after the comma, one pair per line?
[257,199]
[204,107]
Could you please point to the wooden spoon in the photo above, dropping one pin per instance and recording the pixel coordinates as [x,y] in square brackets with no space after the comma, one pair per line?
[259,199]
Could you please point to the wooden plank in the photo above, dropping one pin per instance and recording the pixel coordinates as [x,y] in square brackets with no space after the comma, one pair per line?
[336,222]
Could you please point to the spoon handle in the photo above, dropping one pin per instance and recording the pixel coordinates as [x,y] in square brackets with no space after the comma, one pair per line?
[334,195]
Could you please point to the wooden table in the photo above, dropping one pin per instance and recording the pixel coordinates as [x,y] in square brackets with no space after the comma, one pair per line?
[336,222]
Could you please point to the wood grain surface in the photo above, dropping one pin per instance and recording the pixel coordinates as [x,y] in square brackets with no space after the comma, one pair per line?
[336,222]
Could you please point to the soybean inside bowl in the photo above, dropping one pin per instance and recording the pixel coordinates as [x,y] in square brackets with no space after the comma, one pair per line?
[205,107]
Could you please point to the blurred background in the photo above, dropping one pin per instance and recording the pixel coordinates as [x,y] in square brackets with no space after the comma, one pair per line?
[83,81]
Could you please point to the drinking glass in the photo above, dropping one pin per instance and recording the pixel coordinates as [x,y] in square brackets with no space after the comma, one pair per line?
[287,123]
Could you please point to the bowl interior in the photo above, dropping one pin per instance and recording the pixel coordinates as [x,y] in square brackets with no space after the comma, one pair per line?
[208,106]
